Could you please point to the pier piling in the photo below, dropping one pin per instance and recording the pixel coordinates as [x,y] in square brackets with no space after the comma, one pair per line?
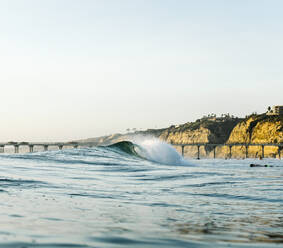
[16,148]
[247,151]
[183,152]
[245,146]
[262,151]
[45,148]
[230,151]
[30,148]
[198,155]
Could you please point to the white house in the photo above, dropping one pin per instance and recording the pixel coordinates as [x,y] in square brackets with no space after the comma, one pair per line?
[275,110]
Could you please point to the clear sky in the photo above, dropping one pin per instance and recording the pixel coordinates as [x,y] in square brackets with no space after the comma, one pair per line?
[73,69]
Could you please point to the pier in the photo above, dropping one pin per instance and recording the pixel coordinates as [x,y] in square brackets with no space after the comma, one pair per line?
[212,147]
[230,146]
[44,145]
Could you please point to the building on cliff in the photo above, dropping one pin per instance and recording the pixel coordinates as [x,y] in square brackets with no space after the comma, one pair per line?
[275,110]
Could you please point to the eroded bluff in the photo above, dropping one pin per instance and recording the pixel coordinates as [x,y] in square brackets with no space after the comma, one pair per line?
[214,131]
[258,129]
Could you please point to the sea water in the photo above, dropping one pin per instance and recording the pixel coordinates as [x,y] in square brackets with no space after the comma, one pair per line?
[109,197]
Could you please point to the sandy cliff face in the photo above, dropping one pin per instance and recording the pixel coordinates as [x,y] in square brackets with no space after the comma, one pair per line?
[175,136]
[255,129]
[202,131]
[240,133]
[268,132]
[258,129]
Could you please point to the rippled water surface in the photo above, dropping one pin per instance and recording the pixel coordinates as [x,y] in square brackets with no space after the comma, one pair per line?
[104,197]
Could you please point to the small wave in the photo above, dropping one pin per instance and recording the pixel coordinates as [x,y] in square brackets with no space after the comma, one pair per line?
[6,182]
[44,245]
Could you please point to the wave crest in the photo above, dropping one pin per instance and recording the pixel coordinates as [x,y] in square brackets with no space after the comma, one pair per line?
[151,149]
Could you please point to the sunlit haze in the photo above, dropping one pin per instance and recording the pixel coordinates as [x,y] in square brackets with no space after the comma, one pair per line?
[72,69]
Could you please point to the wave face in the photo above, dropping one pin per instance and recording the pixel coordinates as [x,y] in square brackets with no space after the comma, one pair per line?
[138,193]
[125,146]
[152,149]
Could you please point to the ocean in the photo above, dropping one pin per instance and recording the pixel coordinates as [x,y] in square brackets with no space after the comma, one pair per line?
[141,194]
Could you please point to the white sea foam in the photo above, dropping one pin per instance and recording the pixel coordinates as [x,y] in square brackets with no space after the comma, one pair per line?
[159,151]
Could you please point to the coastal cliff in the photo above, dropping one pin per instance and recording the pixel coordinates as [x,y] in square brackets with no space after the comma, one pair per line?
[253,129]
[205,130]
[214,130]
[258,129]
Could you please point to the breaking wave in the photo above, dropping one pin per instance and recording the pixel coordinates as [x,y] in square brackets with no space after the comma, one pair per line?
[151,149]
